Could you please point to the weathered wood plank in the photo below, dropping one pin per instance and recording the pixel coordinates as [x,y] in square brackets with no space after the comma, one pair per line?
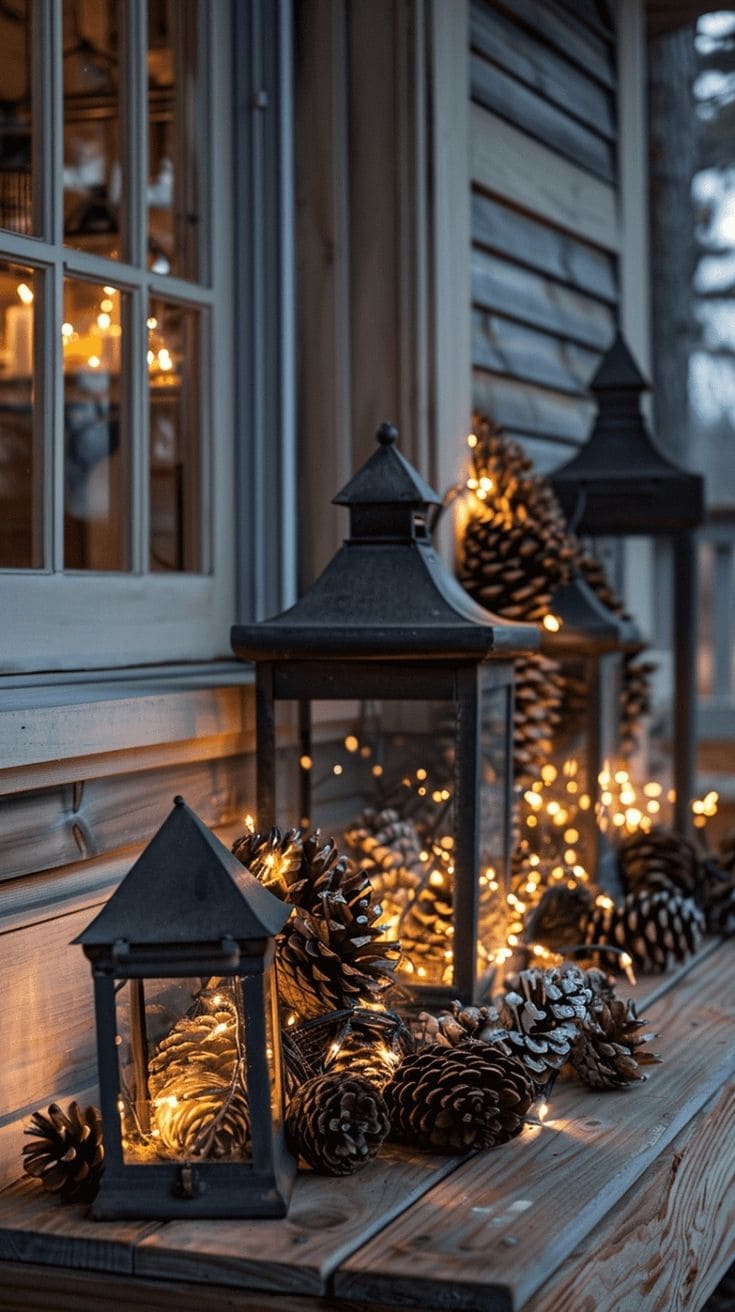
[530,409]
[54,827]
[511,165]
[506,347]
[494,89]
[28,1288]
[540,67]
[36,1228]
[55,722]
[590,1154]
[537,246]
[507,288]
[671,1239]
[326,1221]
[552,26]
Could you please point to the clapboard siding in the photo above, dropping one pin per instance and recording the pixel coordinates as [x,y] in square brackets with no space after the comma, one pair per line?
[501,285]
[498,228]
[545,216]
[558,28]
[537,66]
[563,132]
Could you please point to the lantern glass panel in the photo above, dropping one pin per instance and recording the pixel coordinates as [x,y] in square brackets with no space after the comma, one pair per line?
[273,1050]
[182,1067]
[495,719]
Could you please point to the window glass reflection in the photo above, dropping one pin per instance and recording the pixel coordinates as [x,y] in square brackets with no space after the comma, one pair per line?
[174,333]
[96,454]
[16,121]
[91,81]
[20,458]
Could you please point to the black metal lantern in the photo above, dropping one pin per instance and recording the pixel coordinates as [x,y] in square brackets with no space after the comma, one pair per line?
[619,485]
[589,641]
[188,1039]
[386,627]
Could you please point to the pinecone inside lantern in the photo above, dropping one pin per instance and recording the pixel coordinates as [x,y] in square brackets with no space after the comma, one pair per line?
[459,1098]
[337,1123]
[332,952]
[67,1152]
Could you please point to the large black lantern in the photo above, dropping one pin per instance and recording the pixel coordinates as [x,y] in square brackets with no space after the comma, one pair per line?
[188,1039]
[618,485]
[387,634]
[589,641]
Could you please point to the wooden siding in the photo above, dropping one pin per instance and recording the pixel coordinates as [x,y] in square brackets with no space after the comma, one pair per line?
[545,215]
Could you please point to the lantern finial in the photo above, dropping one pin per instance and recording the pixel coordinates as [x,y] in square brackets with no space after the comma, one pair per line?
[387,435]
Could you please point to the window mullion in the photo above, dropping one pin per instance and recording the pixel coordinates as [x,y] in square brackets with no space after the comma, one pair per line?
[52,309]
[135,146]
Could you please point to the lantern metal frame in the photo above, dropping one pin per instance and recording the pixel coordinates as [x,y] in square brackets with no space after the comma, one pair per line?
[593,636]
[620,485]
[188,908]
[386,620]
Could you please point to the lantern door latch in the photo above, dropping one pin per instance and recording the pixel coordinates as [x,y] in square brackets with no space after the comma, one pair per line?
[189,1182]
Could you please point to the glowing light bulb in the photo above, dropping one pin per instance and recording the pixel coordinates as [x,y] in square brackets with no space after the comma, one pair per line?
[351,743]
[151,322]
[103,321]
[377,770]
[305,762]
[552,623]
[472,440]
[94,362]
[107,305]
[336,769]
[67,330]
[24,293]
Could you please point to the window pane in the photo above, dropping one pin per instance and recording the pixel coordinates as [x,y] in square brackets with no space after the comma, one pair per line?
[96,448]
[16,137]
[176,113]
[20,464]
[92,178]
[175,412]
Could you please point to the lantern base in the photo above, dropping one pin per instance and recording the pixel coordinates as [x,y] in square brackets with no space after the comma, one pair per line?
[194,1192]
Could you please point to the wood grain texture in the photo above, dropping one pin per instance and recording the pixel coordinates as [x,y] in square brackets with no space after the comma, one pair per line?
[536,63]
[55,827]
[507,163]
[471,1228]
[35,1228]
[563,133]
[557,28]
[327,1219]
[507,288]
[529,408]
[533,244]
[505,347]
[668,1243]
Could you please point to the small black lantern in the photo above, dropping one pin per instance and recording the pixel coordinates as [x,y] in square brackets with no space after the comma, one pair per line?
[620,485]
[388,627]
[188,1038]
[589,641]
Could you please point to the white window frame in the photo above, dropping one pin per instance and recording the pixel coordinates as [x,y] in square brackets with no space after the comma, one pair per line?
[57,620]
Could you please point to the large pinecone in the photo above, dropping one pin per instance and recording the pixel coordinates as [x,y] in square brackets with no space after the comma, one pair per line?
[559,917]
[661,858]
[67,1154]
[330,954]
[538,1016]
[388,848]
[337,1122]
[608,1051]
[427,928]
[455,1099]
[655,928]
[197,1085]
[457,1025]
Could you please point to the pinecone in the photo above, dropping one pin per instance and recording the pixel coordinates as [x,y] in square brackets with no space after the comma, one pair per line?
[661,858]
[538,1016]
[655,928]
[337,1122]
[516,549]
[559,917]
[608,1052]
[449,1028]
[329,954]
[197,1086]
[718,888]
[427,927]
[67,1154]
[538,687]
[357,1040]
[389,850]
[455,1099]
